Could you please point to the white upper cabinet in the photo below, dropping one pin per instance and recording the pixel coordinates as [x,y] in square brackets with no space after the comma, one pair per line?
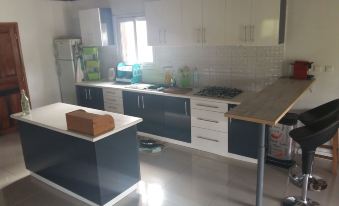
[172,13]
[153,13]
[203,22]
[255,22]
[213,28]
[266,21]
[216,22]
[192,22]
[237,22]
[96,27]
[164,22]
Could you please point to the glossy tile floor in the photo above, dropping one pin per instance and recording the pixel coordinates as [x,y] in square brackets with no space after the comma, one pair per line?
[176,177]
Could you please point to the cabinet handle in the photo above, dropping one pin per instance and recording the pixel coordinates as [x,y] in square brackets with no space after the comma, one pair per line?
[252,32]
[208,120]
[206,138]
[89,94]
[204,35]
[143,102]
[245,39]
[110,100]
[138,101]
[209,106]
[86,94]
[165,36]
[160,36]
[186,108]
[199,35]
[110,92]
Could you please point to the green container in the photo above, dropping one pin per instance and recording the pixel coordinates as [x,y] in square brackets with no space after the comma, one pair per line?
[90,51]
[93,76]
[185,83]
[92,64]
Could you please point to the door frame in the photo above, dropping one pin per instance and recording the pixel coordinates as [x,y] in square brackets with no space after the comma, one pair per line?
[13,29]
[19,62]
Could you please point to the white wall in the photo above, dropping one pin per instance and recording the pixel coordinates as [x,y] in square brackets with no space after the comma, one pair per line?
[40,21]
[313,34]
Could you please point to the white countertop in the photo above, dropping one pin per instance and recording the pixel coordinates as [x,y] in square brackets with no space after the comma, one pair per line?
[236,100]
[53,117]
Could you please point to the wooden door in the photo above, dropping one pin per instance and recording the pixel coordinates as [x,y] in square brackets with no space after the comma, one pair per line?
[12,75]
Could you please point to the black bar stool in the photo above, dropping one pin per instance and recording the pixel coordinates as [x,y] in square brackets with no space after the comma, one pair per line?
[325,112]
[329,110]
[309,138]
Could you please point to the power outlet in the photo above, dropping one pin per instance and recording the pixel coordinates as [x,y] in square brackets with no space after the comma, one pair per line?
[318,68]
[329,68]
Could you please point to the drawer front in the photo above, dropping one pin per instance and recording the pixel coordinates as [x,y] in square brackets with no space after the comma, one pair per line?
[209,106]
[209,141]
[209,120]
[115,108]
[113,100]
[109,92]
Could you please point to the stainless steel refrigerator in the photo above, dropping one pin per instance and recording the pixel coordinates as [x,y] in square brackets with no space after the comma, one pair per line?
[67,55]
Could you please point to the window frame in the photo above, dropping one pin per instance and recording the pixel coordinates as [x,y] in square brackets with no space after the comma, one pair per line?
[134,19]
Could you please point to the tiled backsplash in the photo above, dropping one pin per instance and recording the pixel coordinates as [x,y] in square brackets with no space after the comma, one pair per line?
[247,68]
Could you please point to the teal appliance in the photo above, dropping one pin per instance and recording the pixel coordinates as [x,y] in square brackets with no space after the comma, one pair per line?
[130,74]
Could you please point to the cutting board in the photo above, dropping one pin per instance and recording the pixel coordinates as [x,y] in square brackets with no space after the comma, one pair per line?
[177,90]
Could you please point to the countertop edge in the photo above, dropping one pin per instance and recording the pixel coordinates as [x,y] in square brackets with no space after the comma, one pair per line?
[77,135]
[278,117]
[236,100]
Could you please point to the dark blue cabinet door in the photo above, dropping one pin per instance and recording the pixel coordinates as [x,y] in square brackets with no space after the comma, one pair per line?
[152,111]
[90,97]
[131,104]
[177,118]
[243,137]
[81,96]
[149,108]
[96,98]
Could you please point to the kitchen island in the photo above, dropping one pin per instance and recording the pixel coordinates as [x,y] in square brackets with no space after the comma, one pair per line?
[268,108]
[97,170]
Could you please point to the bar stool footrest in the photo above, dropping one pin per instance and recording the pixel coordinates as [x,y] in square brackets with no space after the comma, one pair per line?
[297,201]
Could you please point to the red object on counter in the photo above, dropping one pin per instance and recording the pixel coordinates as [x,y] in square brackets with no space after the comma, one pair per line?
[300,69]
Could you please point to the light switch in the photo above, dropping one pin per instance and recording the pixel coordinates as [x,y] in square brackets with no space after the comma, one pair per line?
[318,68]
[329,68]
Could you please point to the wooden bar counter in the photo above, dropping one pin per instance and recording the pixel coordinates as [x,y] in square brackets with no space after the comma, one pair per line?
[268,107]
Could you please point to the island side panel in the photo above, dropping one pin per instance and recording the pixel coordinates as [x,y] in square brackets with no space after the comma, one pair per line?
[118,163]
[65,160]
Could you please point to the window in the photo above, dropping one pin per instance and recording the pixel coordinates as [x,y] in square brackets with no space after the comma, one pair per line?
[133,41]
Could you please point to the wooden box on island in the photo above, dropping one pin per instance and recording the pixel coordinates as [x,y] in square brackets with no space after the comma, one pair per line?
[88,123]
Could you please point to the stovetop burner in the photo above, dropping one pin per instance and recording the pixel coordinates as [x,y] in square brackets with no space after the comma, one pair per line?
[220,92]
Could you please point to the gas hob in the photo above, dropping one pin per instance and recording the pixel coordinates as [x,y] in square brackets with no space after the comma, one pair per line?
[219,92]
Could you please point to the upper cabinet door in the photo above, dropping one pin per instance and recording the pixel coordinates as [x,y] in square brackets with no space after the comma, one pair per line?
[213,31]
[172,22]
[266,19]
[192,22]
[96,27]
[238,21]
[90,27]
[154,18]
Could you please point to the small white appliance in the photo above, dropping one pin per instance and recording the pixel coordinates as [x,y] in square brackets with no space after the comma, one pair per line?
[67,55]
